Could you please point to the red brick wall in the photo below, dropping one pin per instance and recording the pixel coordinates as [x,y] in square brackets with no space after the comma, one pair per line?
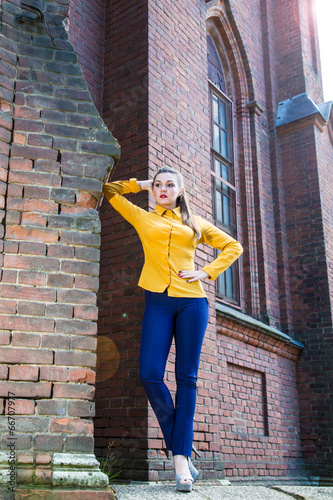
[8,59]
[86,33]
[59,151]
[178,115]
[121,404]
[259,425]
[172,136]
[290,70]
[271,87]
[310,44]
[305,156]
[177,107]
[325,173]
[297,50]
[290,53]
[311,293]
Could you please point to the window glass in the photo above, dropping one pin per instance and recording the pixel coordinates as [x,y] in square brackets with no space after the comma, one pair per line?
[224,145]
[223,169]
[216,145]
[219,215]
[225,172]
[215,109]
[215,71]
[229,284]
[223,119]
[226,212]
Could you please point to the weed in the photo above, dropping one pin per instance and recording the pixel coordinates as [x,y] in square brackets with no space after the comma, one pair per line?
[108,462]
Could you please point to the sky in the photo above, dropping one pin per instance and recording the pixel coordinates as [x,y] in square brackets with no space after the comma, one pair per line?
[324,21]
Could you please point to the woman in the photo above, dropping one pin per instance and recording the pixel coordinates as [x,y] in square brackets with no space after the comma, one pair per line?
[176,304]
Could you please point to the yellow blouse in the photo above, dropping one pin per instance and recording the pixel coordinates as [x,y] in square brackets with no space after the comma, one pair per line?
[169,245]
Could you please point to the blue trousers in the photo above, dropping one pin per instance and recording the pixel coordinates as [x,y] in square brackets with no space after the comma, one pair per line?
[186,320]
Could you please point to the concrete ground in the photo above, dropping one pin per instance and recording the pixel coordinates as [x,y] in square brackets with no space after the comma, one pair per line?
[219,491]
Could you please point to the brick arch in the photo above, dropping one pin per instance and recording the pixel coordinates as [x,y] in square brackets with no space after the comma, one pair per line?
[223,30]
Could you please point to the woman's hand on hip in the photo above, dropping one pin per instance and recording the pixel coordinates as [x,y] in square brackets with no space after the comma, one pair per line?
[192,276]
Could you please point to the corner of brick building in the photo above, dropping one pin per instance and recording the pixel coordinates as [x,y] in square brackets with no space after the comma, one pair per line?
[306,165]
[55,154]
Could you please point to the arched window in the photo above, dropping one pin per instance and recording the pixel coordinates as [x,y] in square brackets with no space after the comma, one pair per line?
[223,174]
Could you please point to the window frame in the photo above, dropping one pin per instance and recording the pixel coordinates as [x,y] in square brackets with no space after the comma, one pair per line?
[234,301]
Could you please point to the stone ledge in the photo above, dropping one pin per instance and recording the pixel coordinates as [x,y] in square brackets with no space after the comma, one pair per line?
[300,111]
[258,325]
[77,470]
[78,478]
[75,460]
[34,493]
[69,470]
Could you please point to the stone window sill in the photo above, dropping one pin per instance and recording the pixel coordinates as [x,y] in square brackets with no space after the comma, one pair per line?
[247,321]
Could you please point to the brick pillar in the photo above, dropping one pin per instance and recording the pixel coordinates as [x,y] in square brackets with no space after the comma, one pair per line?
[121,403]
[59,152]
[8,70]
[86,34]
[305,157]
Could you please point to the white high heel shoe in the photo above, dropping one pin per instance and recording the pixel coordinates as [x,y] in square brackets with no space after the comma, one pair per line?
[181,477]
[196,451]
[194,472]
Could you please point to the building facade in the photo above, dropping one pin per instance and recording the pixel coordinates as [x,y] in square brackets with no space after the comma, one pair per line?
[230,93]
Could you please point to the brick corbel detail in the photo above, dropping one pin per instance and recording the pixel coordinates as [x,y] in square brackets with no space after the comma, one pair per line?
[313,120]
[256,338]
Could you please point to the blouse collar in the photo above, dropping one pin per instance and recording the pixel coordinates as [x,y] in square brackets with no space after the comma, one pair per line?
[161,210]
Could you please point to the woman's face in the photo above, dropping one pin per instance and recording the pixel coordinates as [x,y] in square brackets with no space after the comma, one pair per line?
[166,190]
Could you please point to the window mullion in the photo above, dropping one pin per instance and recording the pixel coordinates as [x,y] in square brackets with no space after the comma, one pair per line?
[231,186]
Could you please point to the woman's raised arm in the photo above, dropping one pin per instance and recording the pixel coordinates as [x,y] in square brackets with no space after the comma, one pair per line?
[113,192]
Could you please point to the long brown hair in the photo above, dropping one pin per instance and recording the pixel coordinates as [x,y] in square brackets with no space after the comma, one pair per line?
[182,201]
